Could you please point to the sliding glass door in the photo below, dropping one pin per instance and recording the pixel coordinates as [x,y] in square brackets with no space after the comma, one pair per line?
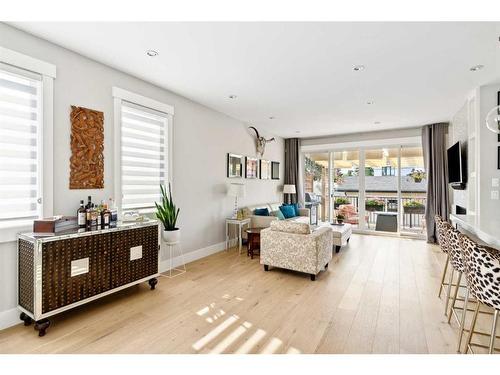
[381,189]
[375,189]
[413,190]
[345,184]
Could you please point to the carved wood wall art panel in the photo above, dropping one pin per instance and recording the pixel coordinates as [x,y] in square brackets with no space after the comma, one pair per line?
[87,149]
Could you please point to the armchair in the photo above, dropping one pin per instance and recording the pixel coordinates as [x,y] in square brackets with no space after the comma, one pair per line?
[293,246]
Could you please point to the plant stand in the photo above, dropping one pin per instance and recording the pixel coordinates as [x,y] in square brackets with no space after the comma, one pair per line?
[173,271]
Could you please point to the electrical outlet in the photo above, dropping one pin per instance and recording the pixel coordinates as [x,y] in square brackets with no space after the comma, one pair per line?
[494,194]
[494,182]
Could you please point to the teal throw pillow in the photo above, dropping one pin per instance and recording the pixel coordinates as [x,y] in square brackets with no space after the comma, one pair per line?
[287,211]
[261,212]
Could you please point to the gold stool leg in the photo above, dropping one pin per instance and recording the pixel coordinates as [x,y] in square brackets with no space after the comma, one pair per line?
[455,296]
[449,292]
[493,332]
[472,326]
[462,320]
[444,274]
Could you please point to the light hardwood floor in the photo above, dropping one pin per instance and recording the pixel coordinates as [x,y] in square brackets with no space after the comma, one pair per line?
[379,295]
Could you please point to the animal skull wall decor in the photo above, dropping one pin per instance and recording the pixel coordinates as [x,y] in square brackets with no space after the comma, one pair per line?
[260,142]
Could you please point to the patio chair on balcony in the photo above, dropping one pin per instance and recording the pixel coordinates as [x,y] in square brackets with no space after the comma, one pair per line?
[350,213]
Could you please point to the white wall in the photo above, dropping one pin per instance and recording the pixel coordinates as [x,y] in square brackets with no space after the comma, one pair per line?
[470,120]
[488,145]
[202,137]
[459,132]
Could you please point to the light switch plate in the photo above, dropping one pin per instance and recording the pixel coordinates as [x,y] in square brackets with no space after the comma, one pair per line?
[494,194]
[494,182]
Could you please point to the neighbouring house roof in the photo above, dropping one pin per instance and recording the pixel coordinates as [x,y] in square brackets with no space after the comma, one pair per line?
[383,184]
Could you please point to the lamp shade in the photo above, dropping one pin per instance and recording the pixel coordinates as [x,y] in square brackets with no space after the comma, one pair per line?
[236,190]
[289,189]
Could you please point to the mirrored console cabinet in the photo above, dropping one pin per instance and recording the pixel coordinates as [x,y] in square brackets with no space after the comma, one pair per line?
[60,272]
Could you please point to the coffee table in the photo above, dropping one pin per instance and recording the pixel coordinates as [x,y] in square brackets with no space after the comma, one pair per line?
[253,240]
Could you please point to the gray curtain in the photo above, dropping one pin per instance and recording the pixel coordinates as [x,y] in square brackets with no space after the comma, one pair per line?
[434,148]
[292,165]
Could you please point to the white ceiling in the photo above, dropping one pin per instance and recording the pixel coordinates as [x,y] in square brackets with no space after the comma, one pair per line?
[300,73]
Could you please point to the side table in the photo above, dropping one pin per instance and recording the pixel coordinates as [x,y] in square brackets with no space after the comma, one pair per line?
[253,240]
[240,224]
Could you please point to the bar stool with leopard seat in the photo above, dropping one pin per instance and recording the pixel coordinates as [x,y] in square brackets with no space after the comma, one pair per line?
[482,265]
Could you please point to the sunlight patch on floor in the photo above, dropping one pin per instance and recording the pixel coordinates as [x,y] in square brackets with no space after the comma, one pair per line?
[215,332]
[231,338]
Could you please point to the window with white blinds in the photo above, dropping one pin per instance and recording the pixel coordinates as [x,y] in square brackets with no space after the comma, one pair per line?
[20,143]
[144,156]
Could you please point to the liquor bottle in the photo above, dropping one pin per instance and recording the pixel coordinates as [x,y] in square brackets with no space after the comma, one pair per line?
[82,216]
[89,203]
[98,215]
[113,211]
[88,212]
[105,216]
[93,216]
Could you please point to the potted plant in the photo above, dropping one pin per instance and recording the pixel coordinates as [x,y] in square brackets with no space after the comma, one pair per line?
[339,201]
[374,205]
[417,175]
[167,213]
[340,218]
[414,207]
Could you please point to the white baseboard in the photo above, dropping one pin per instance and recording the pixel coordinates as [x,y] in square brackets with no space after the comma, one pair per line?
[188,257]
[9,318]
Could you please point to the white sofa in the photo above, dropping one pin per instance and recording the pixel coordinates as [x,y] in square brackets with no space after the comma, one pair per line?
[293,246]
[265,221]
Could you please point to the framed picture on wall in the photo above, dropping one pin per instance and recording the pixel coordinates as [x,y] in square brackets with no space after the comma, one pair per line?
[234,166]
[251,167]
[265,169]
[275,170]
[498,158]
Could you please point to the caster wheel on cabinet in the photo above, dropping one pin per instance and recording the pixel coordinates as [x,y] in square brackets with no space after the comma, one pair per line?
[313,277]
[337,249]
[41,326]
[266,267]
[152,283]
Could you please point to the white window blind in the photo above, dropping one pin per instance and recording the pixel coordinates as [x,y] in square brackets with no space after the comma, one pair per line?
[20,143]
[144,156]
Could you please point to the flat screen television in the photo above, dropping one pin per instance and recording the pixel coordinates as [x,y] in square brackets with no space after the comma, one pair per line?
[457,173]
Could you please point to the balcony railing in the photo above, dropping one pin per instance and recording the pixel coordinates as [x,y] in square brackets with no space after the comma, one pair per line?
[413,213]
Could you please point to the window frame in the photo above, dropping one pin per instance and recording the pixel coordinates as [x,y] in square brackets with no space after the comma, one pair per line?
[119,96]
[10,228]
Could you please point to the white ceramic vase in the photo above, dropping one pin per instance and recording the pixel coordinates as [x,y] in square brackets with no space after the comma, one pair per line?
[172,236]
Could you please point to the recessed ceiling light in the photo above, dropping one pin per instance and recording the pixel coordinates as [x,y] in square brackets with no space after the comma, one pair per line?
[151,53]
[232,96]
[475,68]
[358,68]
[271,117]
[377,122]
[370,102]
[297,132]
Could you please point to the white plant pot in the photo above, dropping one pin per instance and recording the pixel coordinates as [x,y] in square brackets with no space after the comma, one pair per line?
[172,235]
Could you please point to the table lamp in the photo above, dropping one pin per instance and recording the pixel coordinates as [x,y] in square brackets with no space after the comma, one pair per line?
[236,191]
[289,189]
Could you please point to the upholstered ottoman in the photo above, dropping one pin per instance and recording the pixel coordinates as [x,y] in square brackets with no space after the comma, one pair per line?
[341,235]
